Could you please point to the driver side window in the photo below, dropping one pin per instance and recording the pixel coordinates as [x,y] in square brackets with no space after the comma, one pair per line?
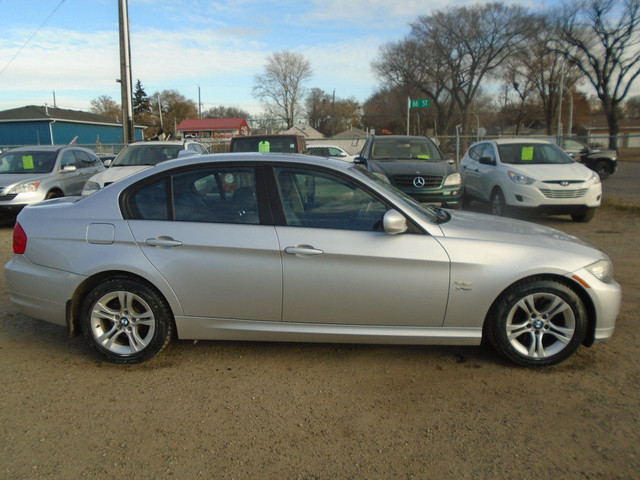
[318,200]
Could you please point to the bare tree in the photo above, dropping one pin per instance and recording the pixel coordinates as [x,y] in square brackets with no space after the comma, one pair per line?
[414,65]
[169,108]
[225,112]
[105,105]
[473,42]
[449,53]
[536,67]
[282,83]
[328,115]
[602,39]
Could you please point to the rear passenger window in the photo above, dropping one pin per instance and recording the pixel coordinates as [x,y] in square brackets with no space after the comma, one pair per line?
[217,195]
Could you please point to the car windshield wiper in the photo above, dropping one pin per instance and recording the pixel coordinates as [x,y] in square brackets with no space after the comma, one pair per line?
[441,214]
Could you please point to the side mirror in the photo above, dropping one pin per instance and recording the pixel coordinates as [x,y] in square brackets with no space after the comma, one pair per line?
[69,169]
[394,222]
[450,161]
[107,162]
[360,160]
[487,161]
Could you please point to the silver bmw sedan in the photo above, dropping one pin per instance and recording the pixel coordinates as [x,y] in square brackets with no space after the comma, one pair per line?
[304,249]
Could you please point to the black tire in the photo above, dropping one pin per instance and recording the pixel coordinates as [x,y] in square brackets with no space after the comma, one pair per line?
[603,169]
[54,194]
[465,203]
[497,204]
[125,321]
[585,216]
[537,323]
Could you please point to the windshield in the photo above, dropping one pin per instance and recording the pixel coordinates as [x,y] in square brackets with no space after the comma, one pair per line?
[532,154]
[27,161]
[423,211]
[265,144]
[398,149]
[147,154]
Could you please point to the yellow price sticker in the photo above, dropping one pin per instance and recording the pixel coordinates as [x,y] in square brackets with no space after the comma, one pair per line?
[424,157]
[27,162]
[527,154]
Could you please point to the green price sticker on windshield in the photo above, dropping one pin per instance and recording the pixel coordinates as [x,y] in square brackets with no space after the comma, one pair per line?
[264,147]
[27,162]
[527,154]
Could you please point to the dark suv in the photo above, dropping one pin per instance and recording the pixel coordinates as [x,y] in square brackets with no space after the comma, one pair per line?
[416,166]
[604,162]
[269,144]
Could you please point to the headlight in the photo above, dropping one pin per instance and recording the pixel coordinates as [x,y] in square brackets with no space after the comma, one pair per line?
[90,187]
[595,178]
[602,270]
[25,187]
[519,178]
[453,179]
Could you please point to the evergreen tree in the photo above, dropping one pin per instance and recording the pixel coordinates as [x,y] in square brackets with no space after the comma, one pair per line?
[141,104]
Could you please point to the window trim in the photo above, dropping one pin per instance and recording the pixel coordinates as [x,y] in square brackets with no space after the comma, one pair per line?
[264,205]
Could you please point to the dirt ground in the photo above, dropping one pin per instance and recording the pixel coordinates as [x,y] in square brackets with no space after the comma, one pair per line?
[241,410]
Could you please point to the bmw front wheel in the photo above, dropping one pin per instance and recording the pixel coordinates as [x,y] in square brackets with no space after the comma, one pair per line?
[538,323]
[126,321]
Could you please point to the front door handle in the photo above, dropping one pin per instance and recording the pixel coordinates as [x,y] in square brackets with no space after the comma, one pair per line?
[166,242]
[303,251]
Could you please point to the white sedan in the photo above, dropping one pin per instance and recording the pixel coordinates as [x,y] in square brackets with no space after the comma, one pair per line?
[527,174]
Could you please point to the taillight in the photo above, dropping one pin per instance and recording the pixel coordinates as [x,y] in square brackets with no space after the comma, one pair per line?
[19,239]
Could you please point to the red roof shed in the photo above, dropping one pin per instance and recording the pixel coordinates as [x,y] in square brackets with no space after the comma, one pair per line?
[214,127]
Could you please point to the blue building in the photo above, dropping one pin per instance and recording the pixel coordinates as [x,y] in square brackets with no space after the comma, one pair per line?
[33,125]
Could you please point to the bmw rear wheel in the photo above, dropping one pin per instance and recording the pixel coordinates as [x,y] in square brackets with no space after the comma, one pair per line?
[126,321]
[538,323]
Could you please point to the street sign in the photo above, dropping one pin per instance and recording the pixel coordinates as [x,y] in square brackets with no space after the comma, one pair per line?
[421,103]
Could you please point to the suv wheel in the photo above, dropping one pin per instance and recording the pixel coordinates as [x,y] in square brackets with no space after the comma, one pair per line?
[498,205]
[603,169]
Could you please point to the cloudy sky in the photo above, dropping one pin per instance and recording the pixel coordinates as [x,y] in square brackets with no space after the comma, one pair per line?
[71,46]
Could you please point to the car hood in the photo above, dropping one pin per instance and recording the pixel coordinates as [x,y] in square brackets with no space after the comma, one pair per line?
[567,171]
[10,179]
[603,153]
[113,174]
[403,167]
[479,226]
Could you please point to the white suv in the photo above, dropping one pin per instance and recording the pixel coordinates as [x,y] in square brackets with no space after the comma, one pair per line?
[520,173]
[140,156]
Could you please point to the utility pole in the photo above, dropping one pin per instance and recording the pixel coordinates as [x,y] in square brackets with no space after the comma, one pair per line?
[199,104]
[125,73]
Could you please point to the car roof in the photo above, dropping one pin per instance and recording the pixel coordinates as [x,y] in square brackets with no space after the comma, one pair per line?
[398,137]
[43,148]
[507,141]
[294,158]
[154,142]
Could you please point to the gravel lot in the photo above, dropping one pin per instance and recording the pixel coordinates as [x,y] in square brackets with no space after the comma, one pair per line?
[308,411]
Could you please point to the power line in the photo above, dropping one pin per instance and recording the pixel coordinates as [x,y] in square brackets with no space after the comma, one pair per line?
[32,35]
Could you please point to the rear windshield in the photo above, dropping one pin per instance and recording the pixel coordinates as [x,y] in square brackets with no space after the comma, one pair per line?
[532,154]
[265,145]
[405,149]
[149,154]
[27,162]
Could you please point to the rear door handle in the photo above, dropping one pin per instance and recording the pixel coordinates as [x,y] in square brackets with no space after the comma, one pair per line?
[166,242]
[303,251]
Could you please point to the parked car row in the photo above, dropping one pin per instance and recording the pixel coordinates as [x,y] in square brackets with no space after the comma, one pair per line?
[511,175]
